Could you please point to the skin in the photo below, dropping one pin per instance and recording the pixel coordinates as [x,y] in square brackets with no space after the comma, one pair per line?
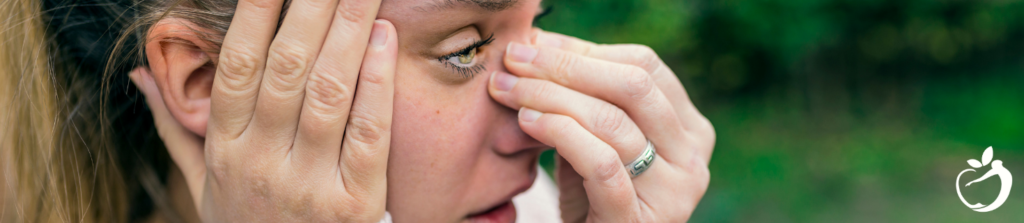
[451,138]
[261,136]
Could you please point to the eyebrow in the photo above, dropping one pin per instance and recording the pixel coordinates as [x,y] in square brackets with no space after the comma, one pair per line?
[489,5]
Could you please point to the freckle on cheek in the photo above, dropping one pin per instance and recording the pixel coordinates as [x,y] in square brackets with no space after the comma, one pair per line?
[438,112]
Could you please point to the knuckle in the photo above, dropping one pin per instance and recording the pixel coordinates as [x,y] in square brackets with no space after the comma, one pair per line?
[217,167]
[639,84]
[543,90]
[352,11]
[645,57]
[326,92]
[703,178]
[564,66]
[365,128]
[238,67]
[288,62]
[373,76]
[608,119]
[698,171]
[707,129]
[606,170]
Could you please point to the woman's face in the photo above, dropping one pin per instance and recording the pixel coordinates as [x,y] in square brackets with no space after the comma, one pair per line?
[455,152]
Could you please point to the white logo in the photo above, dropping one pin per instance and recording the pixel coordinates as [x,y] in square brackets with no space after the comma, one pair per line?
[997,170]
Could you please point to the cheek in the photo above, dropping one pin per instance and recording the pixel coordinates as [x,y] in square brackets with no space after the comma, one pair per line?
[438,135]
[436,121]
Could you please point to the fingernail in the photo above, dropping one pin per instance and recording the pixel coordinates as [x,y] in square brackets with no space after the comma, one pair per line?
[379,34]
[548,40]
[521,53]
[504,81]
[528,115]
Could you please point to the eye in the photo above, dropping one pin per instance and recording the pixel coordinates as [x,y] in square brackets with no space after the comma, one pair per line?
[464,61]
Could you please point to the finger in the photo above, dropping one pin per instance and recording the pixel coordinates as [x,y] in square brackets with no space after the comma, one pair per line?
[610,124]
[604,120]
[572,197]
[689,182]
[364,152]
[609,189]
[239,67]
[627,86]
[291,55]
[185,148]
[633,54]
[332,84]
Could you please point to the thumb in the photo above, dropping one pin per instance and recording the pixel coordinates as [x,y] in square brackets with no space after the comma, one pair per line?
[185,148]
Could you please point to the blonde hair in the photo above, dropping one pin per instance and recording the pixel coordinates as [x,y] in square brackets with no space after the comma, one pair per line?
[64,88]
[45,177]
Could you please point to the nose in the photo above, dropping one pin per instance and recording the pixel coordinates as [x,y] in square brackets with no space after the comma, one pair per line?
[511,140]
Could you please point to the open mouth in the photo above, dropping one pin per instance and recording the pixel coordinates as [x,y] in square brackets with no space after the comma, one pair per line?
[503,213]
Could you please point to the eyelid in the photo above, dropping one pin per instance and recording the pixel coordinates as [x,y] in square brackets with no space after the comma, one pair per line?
[466,49]
[467,72]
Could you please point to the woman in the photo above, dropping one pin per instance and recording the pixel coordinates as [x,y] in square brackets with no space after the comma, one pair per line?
[439,108]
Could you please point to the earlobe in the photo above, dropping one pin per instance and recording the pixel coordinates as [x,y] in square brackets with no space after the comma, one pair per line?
[181,65]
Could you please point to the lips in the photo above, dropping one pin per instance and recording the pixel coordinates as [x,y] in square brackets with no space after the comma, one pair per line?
[505,211]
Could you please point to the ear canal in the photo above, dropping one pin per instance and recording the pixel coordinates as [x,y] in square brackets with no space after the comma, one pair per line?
[199,84]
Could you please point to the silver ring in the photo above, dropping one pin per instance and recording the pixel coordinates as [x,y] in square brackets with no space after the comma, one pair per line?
[642,162]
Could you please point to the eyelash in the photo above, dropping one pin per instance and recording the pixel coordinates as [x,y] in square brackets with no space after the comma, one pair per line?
[466,72]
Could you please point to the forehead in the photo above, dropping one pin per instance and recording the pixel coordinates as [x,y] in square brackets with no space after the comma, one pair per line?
[440,5]
[437,16]
[453,6]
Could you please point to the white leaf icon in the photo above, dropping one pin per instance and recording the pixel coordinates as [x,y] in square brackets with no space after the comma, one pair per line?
[974,163]
[986,157]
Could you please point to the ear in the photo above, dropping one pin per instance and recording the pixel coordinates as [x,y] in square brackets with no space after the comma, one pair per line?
[181,65]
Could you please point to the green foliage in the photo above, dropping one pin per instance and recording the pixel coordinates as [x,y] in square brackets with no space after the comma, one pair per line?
[835,110]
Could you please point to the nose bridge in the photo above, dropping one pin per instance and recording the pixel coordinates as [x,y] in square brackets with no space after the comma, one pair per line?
[509,31]
[507,137]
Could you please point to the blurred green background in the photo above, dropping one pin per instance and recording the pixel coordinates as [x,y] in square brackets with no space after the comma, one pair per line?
[837,110]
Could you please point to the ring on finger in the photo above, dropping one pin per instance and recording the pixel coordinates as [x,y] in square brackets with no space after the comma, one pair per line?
[642,162]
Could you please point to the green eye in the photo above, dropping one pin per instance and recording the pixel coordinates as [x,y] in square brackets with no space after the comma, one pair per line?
[468,57]
[464,61]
